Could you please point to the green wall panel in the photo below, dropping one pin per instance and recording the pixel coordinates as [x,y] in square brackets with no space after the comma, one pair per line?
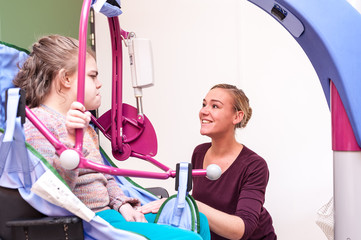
[22,22]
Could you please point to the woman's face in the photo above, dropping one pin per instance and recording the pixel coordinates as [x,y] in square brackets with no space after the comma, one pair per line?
[218,114]
[92,97]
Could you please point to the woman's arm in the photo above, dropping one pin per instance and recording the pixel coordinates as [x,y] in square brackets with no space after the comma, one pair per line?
[152,207]
[223,224]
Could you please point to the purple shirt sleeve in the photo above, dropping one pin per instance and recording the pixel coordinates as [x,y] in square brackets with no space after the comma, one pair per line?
[252,196]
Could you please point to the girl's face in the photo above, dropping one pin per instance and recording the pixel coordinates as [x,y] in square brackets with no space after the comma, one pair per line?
[218,115]
[92,97]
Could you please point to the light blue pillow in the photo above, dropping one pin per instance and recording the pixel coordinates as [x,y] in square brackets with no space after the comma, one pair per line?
[11,58]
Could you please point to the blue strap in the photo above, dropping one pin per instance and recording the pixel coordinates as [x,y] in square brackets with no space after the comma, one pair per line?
[13,100]
[181,196]
[14,158]
[108,8]
[12,58]
[11,112]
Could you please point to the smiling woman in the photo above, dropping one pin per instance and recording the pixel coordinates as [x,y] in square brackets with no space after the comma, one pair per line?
[234,203]
[228,100]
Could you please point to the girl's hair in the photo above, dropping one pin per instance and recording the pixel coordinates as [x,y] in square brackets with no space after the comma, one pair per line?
[241,102]
[49,55]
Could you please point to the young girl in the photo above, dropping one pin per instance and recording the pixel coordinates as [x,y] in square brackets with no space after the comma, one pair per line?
[234,203]
[49,77]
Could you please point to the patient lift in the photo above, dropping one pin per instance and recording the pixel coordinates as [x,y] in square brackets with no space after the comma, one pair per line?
[129,131]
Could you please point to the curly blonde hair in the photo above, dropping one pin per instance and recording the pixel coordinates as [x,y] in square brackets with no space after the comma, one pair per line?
[241,102]
[49,55]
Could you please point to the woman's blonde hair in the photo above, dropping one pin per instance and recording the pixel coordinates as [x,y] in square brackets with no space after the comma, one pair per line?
[49,55]
[241,102]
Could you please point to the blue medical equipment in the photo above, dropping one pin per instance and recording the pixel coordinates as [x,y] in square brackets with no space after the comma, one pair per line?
[330,34]
[10,57]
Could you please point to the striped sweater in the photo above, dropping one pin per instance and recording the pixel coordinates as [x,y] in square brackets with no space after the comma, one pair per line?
[97,191]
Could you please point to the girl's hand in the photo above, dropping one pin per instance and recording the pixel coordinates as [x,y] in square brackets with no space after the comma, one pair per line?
[77,117]
[152,207]
[130,214]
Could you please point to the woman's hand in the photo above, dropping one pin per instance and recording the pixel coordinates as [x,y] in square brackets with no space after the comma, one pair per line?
[152,207]
[77,117]
[130,214]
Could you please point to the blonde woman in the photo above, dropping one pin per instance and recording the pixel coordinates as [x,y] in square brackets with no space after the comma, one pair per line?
[233,204]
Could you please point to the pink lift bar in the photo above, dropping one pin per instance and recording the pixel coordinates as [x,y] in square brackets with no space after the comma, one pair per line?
[130,132]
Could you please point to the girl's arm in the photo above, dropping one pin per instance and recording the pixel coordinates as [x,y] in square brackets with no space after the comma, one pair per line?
[121,203]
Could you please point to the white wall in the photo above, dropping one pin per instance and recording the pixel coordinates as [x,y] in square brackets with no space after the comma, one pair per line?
[197,44]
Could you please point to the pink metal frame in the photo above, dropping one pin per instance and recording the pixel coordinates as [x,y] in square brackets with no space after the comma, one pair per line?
[116,110]
[343,137]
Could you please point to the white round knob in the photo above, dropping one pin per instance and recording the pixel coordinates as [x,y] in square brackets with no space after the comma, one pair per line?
[213,172]
[69,159]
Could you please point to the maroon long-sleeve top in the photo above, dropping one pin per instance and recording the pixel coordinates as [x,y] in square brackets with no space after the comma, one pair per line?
[239,191]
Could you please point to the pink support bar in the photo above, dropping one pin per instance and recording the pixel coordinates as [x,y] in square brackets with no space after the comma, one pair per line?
[117,95]
[59,147]
[84,163]
[151,160]
[343,138]
[83,27]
